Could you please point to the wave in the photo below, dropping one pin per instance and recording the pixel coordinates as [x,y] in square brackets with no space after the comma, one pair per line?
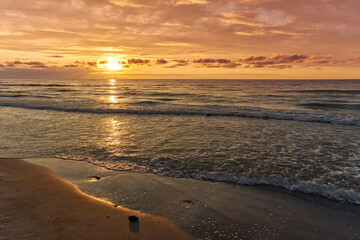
[331,91]
[23,96]
[12,96]
[166,99]
[330,106]
[34,85]
[311,186]
[146,103]
[314,186]
[151,108]
[62,90]
[157,94]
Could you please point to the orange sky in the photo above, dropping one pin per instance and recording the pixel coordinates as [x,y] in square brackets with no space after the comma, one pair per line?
[180,39]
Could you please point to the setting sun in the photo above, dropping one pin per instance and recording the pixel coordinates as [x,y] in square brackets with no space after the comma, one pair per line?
[113,64]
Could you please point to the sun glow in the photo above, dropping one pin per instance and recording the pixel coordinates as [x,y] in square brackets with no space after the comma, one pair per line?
[110,63]
[113,64]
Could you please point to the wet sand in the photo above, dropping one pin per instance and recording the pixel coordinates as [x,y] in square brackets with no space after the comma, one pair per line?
[36,204]
[214,210]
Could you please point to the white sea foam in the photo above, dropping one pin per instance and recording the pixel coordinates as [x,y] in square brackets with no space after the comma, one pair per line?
[315,186]
[312,187]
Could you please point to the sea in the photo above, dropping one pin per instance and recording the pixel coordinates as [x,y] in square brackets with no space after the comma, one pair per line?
[301,135]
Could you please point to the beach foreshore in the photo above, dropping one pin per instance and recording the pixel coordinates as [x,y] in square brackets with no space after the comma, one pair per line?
[206,210]
[36,204]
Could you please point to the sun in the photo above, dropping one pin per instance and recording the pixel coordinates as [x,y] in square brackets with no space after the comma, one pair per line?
[113,64]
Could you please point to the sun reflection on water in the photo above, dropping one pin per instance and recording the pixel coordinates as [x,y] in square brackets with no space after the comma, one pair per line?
[113,99]
[112,92]
[117,137]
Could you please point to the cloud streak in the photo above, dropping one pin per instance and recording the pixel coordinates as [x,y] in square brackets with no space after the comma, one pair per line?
[66,27]
[33,64]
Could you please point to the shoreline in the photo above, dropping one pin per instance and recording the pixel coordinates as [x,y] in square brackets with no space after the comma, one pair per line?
[36,204]
[216,210]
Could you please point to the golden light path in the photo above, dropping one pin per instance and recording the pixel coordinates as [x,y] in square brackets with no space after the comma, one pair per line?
[112,98]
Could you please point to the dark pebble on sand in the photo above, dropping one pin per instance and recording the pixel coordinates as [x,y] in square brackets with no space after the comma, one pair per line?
[133,218]
[96,177]
[189,201]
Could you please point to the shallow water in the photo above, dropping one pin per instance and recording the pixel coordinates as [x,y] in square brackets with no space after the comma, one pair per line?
[301,135]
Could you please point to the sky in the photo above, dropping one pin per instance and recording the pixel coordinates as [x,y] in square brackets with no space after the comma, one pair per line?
[232,39]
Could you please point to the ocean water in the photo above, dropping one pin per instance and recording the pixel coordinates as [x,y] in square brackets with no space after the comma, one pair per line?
[302,135]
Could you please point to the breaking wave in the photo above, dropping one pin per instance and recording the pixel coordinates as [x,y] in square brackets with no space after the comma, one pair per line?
[314,186]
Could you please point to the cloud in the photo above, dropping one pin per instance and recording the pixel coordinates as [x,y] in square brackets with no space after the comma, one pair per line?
[161,61]
[262,32]
[56,56]
[285,32]
[186,2]
[248,18]
[284,61]
[258,17]
[125,3]
[222,60]
[138,61]
[216,63]
[278,58]
[231,65]
[92,64]
[281,66]
[353,61]
[157,3]
[327,60]
[174,44]
[80,64]
[86,64]
[33,64]
[72,66]
[275,61]
[179,63]
[205,61]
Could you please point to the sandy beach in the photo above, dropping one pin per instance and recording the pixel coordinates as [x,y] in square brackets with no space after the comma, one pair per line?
[36,204]
[206,210]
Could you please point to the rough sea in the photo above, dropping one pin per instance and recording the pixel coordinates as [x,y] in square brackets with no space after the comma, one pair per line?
[302,135]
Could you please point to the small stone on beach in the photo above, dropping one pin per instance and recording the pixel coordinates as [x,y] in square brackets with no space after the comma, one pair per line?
[133,218]
[190,201]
